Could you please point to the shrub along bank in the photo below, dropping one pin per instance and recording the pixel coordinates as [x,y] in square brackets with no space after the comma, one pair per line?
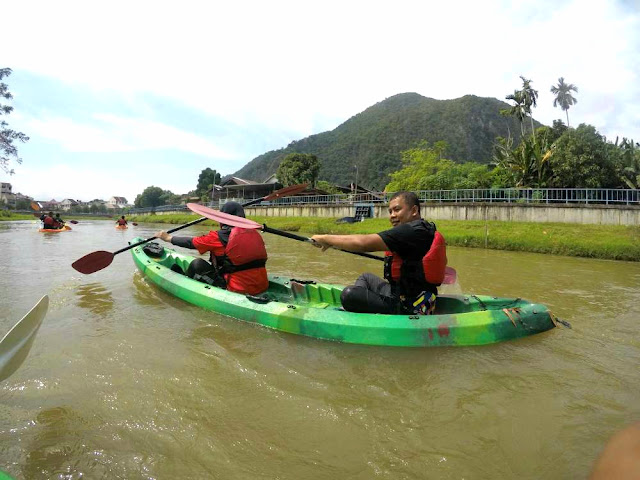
[593,241]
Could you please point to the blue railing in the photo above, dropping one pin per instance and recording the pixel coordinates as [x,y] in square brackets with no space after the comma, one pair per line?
[575,196]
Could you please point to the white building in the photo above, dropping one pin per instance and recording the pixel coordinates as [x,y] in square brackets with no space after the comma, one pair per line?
[67,203]
[117,202]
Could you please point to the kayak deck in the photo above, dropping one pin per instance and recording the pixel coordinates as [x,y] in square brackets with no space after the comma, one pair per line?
[313,309]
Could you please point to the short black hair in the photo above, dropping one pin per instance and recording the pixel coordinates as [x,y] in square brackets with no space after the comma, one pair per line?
[409,198]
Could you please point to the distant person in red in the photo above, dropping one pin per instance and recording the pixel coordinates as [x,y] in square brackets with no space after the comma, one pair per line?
[121,221]
[237,255]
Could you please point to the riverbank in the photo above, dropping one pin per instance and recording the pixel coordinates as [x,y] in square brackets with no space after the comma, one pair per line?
[610,242]
[9,216]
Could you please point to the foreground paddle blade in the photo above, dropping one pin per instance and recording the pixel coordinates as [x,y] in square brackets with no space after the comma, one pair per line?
[222,218]
[16,344]
[450,276]
[93,262]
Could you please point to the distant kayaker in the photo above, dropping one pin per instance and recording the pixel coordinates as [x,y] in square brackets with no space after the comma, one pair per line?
[49,222]
[237,255]
[121,222]
[414,265]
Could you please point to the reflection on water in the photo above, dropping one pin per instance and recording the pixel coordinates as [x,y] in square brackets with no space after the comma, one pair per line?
[94,297]
[143,292]
[58,438]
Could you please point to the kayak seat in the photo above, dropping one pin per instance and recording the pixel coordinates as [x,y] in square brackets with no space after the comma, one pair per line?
[452,304]
[176,268]
[320,295]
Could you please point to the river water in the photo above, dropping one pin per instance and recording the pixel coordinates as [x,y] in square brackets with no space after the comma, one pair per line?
[125,381]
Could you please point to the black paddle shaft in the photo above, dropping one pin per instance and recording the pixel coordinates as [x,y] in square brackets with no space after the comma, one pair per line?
[309,240]
[153,238]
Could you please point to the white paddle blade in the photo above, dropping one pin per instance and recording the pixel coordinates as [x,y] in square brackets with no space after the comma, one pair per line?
[16,344]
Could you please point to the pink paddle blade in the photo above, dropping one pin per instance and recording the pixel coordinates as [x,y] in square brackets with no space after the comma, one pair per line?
[222,218]
[450,275]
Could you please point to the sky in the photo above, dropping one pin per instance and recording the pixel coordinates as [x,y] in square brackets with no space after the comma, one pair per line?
[118,96]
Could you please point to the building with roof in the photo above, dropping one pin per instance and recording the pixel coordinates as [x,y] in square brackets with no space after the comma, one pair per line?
[117,202]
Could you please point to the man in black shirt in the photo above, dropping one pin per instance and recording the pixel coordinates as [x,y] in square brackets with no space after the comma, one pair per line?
[410,239]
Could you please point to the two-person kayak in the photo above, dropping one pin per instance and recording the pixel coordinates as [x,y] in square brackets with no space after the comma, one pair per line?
[66,228]
[313,309]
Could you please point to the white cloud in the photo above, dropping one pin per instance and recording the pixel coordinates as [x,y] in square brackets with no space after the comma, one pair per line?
[93,180]
[110,133]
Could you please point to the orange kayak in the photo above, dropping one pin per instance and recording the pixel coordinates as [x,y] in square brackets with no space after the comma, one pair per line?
[55,230]
[121,227]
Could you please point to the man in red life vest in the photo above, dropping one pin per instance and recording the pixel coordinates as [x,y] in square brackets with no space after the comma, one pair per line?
[121,222]
[237,255]
[414,266]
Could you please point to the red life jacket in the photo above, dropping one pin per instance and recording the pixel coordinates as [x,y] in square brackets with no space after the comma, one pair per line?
[49,222]
[122,221]
[243,263]
[410,277]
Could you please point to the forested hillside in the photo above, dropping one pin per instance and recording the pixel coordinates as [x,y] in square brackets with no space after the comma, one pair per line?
[374,138]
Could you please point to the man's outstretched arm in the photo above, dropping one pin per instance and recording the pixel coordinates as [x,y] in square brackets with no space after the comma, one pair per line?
[371,242]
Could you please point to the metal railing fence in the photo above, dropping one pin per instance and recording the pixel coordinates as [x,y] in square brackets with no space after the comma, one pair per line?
[586,196]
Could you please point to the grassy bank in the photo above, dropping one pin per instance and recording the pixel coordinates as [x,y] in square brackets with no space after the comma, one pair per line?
[6,216]
[594,241]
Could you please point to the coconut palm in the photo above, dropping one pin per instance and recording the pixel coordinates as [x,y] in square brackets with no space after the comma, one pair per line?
[563,96]
[530,99]
[518,110]
[630,162]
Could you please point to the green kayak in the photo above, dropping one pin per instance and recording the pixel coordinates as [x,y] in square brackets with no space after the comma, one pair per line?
[313,309]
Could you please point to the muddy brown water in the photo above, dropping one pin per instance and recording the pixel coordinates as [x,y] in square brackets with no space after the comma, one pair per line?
[125,381]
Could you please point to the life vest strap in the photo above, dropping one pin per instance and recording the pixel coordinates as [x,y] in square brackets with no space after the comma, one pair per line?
[228,267]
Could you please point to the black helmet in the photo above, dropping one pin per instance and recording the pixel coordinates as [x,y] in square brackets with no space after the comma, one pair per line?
[233,208]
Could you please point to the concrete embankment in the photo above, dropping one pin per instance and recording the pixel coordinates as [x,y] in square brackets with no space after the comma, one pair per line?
[502,212]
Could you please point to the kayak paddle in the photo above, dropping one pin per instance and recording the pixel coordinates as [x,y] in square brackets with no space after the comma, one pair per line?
[35,206]
[450,275]
[73,221]
[100,259]
[134,224]
[16,344]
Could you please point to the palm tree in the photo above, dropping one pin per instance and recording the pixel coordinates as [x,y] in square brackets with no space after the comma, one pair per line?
[530,99]
[563,96]
[518,110]
[630,162]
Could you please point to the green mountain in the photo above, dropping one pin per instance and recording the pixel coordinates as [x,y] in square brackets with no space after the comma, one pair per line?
[374,138]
